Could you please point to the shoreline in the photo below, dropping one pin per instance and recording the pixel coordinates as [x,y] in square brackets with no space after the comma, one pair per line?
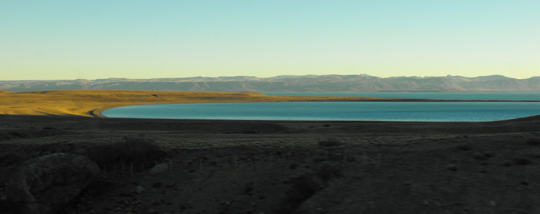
[97,112]
[91,103]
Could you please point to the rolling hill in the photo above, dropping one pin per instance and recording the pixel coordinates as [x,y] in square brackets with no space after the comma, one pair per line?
[308,83]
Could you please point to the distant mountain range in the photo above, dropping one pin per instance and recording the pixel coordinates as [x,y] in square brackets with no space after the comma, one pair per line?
[308,83]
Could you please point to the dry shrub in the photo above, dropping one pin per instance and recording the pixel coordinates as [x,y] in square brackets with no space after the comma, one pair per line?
[138,151]
[330,143]
[533,141]
[9,158]
[301,188]
[328,170]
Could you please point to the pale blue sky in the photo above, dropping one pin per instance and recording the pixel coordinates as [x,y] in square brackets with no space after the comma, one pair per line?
[157,39]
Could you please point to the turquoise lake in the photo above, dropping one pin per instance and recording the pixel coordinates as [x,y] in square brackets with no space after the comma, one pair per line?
[349,111]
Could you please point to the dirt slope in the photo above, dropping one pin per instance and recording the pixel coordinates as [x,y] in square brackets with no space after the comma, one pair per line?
[294,167]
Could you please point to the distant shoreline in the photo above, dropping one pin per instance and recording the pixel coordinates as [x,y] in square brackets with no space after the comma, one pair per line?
[91,103]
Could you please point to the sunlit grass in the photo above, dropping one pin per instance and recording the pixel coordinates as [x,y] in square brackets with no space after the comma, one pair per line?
[90,103]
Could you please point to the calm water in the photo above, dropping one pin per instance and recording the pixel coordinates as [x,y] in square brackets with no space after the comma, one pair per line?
[426,95]
[361,111]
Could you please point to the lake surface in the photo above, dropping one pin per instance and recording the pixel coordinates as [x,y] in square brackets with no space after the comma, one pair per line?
[341,111]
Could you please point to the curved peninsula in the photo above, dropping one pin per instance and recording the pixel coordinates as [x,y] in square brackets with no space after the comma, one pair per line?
[90,103]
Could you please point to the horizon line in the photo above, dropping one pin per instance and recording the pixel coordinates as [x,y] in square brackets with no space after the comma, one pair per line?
[111,78]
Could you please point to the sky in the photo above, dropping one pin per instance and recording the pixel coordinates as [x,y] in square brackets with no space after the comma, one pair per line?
[53,40]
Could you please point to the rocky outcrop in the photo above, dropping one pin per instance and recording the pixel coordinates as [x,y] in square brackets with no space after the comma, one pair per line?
[159,169]
[45,184]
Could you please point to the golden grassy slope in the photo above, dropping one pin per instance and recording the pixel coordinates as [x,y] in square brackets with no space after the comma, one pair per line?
[92,102]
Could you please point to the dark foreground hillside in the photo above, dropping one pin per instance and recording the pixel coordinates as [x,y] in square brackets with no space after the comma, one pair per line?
[288,167]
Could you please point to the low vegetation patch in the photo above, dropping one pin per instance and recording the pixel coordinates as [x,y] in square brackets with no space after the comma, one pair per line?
[533,141]
[129,150]
[301,188]
[9,158]
[330,143]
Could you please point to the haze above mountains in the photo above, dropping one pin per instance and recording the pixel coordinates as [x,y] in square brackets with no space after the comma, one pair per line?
[308,83]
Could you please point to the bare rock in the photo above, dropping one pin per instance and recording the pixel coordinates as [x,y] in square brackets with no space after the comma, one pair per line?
[506,163]
[464,147]
[171,184]
[522,161]
[161,168]
[488,154]
[479,156]
[139,189]
[452,167]
[45,184]
[533,141]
